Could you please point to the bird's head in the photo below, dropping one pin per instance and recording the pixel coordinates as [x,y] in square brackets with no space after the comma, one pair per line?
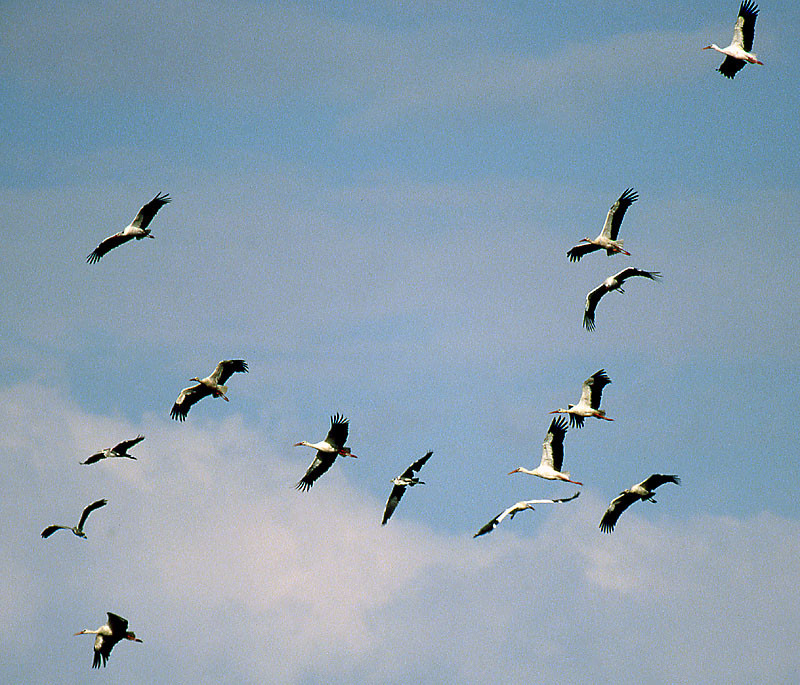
[195,378]
[709,47]
[132,637]
[80,534]
[82,632]
[517,470]
[345,452]
[300,444]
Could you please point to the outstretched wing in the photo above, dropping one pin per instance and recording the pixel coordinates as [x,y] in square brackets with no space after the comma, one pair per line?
[226,368]
[591,304]
[489,527]
[553,445]
[125,445]
[337,435]
[658,479]
[322,462]
[745,27]
[97,456]
[47,532]
[730,67]
[186,399]
[391,504]
[107,245]
[416,466]
[148,211]
[578,251]
[592,389]
[118,625]
[617,506]
[88,510]
[617,212]
[631,271]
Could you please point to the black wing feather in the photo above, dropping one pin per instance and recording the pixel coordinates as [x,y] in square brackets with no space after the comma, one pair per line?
[337,435]
[89,509]
[579,251]
[186,399]
[322,462]
[231,366]
[391,504]
[615,509]
[149,210]
[106,246]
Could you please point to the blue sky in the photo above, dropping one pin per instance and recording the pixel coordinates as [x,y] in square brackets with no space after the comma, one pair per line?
[372,206]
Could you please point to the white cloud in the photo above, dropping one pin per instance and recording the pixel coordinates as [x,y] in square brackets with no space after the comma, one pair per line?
[221,565]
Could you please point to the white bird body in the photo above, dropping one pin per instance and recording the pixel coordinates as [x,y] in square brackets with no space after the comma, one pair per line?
[607,240]
[641,491]
[119,450]
[516,508]
[327,451]
[552,455]
[609,284]
[108,635]
[213,385]
[589,404]
[135,229]
[738,53]
[404,480]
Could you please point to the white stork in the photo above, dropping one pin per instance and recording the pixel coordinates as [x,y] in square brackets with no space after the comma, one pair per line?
[404,480]
[213,385]
[78,530]
[611,283]
[114,630]
[135,229]
[118,450]
[552,454]
[520,506]
[327,451]
[607,240]
[589,404]
[737,54]
[640,491]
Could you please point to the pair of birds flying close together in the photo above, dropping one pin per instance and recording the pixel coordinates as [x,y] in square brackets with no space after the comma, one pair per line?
[608,240]
[333,446]
[644,491]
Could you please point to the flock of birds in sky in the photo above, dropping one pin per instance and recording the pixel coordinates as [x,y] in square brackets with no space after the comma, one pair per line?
[737,54]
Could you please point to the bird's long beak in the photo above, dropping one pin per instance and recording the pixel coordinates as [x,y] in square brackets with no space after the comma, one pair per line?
[135,639]
[555,411]
[297,444]
[347,453]
[514,471]
[707,47]
[150,235]
[83,632]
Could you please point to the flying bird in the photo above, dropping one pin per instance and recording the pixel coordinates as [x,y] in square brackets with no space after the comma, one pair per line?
[520,506]
[118,450]
[607,240]
[589,404]
[78,530]
[135,229]
[552,454]
[327,451]
[640,491]
[738,53]
[114,630]
[404,480]
[213,385]
[611,283]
